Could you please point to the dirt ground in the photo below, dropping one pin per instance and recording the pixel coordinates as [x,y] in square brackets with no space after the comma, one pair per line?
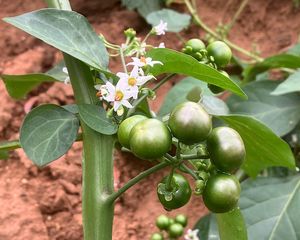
[45,204]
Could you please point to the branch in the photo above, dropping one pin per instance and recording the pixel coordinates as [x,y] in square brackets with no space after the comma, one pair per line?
[201,24]
[136,179]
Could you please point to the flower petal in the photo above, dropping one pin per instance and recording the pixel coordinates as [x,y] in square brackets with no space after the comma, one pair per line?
[126,103]
[117,104]
[135,72]
[98,87]
[143,79]
[122,75]
[110,88]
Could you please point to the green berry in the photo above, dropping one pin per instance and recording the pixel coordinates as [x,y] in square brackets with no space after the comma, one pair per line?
[162,222]
[157,236]
[175,230]
[181,219]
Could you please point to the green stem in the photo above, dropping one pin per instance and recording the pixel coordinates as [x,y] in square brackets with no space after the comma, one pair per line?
[147,36]
[178,150]
[97,165]
[169,158]
[59,4]
[189,171]
[169,180]
[180,38]
[123,59]
[193,156]
[98,161]
[15,144]
[201,24]
[10,145]
[241,175]
[237,14]
[136,179]
[163,81]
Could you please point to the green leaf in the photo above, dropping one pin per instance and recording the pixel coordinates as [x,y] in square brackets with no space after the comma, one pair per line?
[280,113]
[263,148]
[214,105]
[271,208]
[208,228]
[278,61]
[68,31]
[295,50]
[72,108]
[291,84]
[179,94]
[176,62]
[232,226]
[144,7]
[19,85]
[57,72]
[176,21]
[95,117]
[144,108]
[47,133]
[225,226]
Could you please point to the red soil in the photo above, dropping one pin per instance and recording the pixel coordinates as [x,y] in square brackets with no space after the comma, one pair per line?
[46,204]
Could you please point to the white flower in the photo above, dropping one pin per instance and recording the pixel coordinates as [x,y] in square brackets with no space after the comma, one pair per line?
[161,45]
[67,80]
[141,62]
[133,80]
[118,95]
[161,28]
[192,234]
[102,91]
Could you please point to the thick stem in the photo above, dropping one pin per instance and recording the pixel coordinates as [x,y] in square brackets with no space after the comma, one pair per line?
[98,153]
[98,161]
[97,185]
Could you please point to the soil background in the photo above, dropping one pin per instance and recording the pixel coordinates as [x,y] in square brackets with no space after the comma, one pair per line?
[45,204]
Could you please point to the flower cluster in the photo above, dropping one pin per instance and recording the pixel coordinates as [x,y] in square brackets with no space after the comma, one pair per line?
[128,85]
